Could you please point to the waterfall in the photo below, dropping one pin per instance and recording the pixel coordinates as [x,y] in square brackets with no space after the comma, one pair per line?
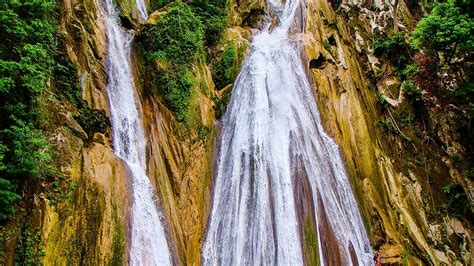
[141,6]
[148,244]
[275,160]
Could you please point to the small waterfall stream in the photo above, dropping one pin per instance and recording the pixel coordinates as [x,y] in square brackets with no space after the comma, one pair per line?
[148,245]
[276,162]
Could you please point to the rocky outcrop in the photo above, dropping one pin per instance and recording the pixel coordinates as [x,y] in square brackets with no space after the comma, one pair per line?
[90,226]
[397,197]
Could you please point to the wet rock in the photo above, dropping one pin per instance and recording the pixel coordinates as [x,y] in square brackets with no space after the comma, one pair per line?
[391,254]
[73,125]
[127,22]
[319,62]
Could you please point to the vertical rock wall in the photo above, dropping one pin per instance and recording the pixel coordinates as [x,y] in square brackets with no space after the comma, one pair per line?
[394,194]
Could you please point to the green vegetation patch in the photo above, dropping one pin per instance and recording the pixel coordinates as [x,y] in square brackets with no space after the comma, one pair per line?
[32,61]
[458,203]
[224,69]
[28,34]
[174,43]
[67,88]
[177,40]
[448,29]
[30,249]
[394,48]
[213,18]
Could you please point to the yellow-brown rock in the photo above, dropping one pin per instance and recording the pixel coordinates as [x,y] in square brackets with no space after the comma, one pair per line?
[392,199]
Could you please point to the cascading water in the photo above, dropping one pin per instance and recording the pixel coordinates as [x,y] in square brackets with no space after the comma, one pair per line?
[141,6]
[148,244]
[276,160]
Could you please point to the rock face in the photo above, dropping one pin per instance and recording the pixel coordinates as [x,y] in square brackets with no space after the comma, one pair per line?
[398,183]
[395,195]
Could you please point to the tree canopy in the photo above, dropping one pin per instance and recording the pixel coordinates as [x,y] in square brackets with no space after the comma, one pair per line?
[447,29]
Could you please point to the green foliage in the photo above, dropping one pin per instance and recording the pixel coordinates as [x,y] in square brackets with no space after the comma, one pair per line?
[118,242]
[60,190]
[157,4]
[411,89]
[224,70]
[213,18]
[380,98]
[28,51]
[458,202]
[66,81]
[221,103]
[67,86]
[411,71]
[408,74]
[30,250]
[447,29]
[385,46]
[29,153]
[176,40]
[178,37]
[175,86]
[465,94]
[204,132]
[92,120]
[405,258]
[394,48]
[388,125]
[7,199]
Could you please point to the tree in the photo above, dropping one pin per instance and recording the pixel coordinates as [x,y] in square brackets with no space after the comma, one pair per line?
[27,48]
[447,30]
[7,196]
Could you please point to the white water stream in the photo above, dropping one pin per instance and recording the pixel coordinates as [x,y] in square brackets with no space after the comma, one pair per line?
[148,245]
[271,139]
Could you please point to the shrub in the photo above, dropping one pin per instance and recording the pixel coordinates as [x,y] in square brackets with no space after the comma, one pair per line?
[411,89]
[386,46]
[177,39]
[28,49]
[458,203]
[394,48]
[67,86]
[92,120]
[410,71]
[30,249]
[26,156]
[223,71]
[447,30]
[7,199]
[213,18]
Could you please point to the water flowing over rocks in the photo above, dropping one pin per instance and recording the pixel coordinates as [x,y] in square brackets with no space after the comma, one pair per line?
[271,122]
